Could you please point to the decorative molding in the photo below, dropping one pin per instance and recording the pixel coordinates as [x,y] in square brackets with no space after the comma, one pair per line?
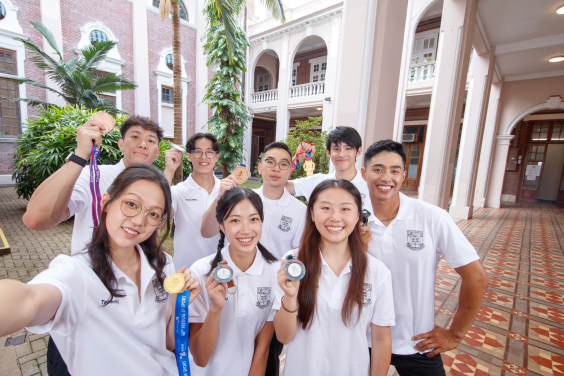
[298,25]
[551,104]
[554,40]
[169,75]
[531,76]
[151,8]
[12,34]
[483,37]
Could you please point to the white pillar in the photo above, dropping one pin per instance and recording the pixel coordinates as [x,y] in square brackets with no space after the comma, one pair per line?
[51,18]
[483,70]
[331,77]
[282,113]
[141,59]
[247,141]
[488,140]
[201,71]
[453,55]
[493,197]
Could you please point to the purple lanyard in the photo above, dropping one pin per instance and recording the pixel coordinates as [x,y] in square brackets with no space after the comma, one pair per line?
[95,186]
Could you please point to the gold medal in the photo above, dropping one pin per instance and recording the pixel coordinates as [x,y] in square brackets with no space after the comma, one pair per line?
[174,283]
[105,120]
[309,166]
[241,174]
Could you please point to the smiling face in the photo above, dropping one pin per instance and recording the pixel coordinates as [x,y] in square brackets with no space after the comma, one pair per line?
[384,174]
[203,165]
[243,227]
[124,231]
[335,215]
[275,176]
[139,146]
[343,156]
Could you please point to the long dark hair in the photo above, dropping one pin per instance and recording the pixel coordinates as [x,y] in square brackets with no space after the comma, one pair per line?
[99,247]
[310,255]
[225,206]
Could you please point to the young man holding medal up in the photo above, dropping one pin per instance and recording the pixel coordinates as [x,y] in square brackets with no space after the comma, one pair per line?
[410,237]
[68,191]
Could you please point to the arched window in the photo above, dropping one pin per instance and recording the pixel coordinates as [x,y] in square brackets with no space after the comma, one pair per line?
[168,61]
[183,12]
[98,36]
[3,11]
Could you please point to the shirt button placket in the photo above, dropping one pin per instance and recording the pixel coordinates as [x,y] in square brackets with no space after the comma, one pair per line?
[242,296]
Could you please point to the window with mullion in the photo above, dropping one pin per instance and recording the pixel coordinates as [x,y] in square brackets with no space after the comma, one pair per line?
[10,111]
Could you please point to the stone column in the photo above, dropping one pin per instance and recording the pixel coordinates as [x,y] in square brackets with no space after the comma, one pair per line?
[141,59]
[488,141]
[385,71]
[202,113]
[483,70]
[282,112]
[51,18]
[497,173]
[453,55]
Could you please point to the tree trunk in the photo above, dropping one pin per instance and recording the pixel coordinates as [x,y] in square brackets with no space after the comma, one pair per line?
[177,76]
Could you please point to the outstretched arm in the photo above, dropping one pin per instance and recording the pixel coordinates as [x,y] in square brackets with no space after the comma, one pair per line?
[381,350]
[210,227]
[285,320]
[26,305]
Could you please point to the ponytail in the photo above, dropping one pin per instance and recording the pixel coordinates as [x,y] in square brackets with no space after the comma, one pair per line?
[215,262]
[269,257]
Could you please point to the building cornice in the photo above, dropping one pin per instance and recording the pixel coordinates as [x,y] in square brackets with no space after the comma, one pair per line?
[108,59]
[169,75]
[151,8]
[299,24]
[554,40]
[13,34]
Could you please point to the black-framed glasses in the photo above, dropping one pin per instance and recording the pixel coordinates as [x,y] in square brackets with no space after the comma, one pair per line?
[130,208]
[283,165]
[209,154]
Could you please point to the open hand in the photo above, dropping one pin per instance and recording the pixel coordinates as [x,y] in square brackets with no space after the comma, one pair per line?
[439,339]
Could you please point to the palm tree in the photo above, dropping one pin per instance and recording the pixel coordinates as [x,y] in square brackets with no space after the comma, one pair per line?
[79,83]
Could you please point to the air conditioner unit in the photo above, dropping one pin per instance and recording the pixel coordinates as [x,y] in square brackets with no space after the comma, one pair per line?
[409,137]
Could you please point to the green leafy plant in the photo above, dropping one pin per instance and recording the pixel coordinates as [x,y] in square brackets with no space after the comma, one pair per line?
[78,81]
[305,131]
[160,161]
[47,140]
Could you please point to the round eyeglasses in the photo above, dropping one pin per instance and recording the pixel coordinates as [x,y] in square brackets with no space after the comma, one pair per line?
[209,154]
[130,208]
[271,163]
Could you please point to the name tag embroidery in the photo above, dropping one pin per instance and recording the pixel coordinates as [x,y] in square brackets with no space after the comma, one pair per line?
[191,199]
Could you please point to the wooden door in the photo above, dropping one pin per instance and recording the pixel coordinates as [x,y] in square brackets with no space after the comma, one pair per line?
[414,153]
[560,197]
[532,173]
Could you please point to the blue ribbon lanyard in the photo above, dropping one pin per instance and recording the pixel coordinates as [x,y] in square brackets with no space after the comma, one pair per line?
[181,332]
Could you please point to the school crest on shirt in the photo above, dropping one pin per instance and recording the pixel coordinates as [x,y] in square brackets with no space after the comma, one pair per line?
[415,240]
[263,297]
[285,223]
[367,294]
[161,296]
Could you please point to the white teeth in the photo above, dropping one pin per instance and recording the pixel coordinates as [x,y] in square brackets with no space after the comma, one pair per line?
[384,188]
[130,231]
[334,228]
[248,240]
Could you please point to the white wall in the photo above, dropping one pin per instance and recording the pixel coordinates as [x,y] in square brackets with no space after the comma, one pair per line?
[552,172]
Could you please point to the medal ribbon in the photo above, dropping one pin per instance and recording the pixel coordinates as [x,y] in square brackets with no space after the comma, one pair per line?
[95,186]
[181,331]
[296,163]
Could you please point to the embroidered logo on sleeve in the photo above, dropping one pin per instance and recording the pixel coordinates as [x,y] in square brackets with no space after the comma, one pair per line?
[367,294]
[161,296]
[263,297]
[285,223]
[415,240]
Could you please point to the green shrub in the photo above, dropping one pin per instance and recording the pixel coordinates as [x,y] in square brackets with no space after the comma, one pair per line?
[48,138]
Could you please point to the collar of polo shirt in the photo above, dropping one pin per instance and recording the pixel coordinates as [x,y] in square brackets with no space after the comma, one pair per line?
[147,271]
[347,268]
[254,269]
[283,201]
[405,210]
[191,183]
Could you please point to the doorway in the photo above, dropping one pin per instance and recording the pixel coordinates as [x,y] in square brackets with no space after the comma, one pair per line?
[413,144]
[263,133]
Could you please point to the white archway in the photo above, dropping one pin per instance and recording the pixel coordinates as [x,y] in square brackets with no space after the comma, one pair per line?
[296,46]
[553,103]
[254,65]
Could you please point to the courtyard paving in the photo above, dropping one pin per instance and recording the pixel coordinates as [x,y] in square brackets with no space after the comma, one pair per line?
[519,329]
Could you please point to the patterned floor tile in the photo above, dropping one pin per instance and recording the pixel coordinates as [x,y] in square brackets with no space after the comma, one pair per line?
[549,296]
[501,262]
[546,333]
[497,298]
[549,313]
[504,255]
[458,363]
[494,317]
[444,283]
[547,272]
[548,264]
[547,256]
[486,341]
[500,272]
[550,283]
[545,362]
[445,269]
[502,284]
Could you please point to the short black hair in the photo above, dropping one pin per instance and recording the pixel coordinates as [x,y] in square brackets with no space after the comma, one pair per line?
[346,135]
[143,122]
[191,143]
[277,145]
[378,147]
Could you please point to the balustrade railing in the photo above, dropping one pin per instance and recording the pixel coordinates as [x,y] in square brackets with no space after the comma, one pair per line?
[307,90]
[264,96]
[422,72]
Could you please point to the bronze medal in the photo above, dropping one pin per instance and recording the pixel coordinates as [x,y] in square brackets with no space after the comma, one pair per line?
[105,120]
[241,174]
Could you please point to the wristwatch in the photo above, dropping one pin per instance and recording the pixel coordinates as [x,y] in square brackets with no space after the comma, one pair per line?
[76,159]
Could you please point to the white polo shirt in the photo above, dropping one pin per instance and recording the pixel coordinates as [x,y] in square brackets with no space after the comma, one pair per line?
[329,347]
[80,204]
[190,202]
[304,186]
[243,315]
[125,337]
[411,247]
[284,222]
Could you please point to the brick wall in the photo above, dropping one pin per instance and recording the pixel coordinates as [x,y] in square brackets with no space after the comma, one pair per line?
[160,37]
[117,16]
[304,70]
[511,178]
[7,150]
[29,10]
